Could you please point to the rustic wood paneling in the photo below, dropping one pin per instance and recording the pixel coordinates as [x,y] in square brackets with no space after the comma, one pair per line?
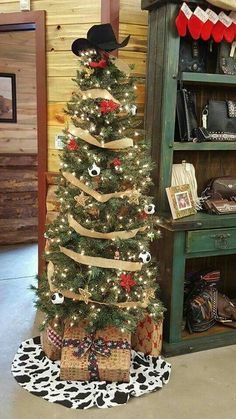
[18,198]
[131,13]
[134,22]
[17,51]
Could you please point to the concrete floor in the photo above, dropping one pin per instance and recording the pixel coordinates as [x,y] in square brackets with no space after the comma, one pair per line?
[202,385]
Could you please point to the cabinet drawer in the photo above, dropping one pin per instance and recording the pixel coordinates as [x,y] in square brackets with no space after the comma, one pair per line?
[211,240]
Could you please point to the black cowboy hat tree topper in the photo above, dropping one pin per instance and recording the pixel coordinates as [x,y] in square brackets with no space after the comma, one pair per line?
[99,37]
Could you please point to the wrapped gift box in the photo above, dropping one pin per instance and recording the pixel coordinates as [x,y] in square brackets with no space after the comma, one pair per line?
[102,356]
[148,337]
[51,341]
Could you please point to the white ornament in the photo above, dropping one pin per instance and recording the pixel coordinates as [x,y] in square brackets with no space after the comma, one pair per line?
[94,170]
[149,209]
[57,298]
[145,256]
[133,109]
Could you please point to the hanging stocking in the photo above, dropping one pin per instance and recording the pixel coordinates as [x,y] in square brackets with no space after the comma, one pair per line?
[233,17]
[182,19]
[209,25]
[229,30]
[220,26]
[196,22]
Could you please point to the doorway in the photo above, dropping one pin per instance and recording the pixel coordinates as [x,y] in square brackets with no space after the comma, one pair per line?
[23,142]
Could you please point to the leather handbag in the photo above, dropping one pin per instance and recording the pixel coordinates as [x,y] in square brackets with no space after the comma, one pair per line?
[220,207]
[219,118]
[192,56]
[226,60]
[186,115]
[200,303]
[220,188]
[226,311]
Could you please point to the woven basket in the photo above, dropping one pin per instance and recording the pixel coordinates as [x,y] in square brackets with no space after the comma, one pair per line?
[113,368]
[52,351]
[148,337]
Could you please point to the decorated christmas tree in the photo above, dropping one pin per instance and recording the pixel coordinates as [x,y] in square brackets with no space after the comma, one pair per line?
[99,264]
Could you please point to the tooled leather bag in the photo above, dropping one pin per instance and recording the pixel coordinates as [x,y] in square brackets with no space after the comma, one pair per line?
[226,59]
[192,56]
[226,311]
[219,118]
[220,188]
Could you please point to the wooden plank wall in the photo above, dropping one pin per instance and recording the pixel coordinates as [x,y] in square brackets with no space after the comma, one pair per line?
[134,21]
[17,52]
[65,21]
[18,143]
[18,198]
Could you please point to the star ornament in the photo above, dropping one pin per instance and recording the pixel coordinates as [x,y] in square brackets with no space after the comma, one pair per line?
[127,282]
[134,197]
[85,294]
[81,199]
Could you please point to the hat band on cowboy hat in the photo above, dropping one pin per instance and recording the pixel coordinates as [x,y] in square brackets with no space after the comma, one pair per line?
[224,4]
[99,37]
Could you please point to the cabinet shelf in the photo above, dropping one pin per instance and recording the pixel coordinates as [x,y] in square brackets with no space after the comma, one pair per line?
[206,146]
[208,79]
[198,221]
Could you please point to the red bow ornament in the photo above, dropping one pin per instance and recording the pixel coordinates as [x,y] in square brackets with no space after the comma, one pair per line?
[127,282]
[116,162]
[72,145]
[107,106]
[100,64]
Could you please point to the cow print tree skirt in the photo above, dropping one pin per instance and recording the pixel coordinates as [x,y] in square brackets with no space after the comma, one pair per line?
[41,377]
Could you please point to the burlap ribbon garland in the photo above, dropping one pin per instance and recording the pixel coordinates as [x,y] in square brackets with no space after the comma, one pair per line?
[98,93]
[104,236]
[99,197]
[83,295]
[111,145]
[121,265]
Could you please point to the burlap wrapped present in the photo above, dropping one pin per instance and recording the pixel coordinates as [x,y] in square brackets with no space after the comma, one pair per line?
[148,336]
[101,356]
[51,341]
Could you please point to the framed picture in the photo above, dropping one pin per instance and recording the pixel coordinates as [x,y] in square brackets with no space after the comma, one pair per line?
[181,201]
[7,97]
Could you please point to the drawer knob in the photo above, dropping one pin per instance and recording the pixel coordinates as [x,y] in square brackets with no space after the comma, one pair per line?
[221,240]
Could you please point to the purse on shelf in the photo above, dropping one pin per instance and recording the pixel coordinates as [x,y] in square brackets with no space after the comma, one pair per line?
[200,305]
[226,60]
[220,207]
[192,55]
[219,188]
[219,119]
[186,115]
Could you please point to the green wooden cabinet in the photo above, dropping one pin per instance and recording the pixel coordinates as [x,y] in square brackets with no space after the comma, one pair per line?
[200,241]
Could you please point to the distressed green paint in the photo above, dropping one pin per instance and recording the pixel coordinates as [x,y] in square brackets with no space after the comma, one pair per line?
[200,343]
[170,69]
[177,289]
[219,241]
[205,78]
[199,221]
[181,146]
